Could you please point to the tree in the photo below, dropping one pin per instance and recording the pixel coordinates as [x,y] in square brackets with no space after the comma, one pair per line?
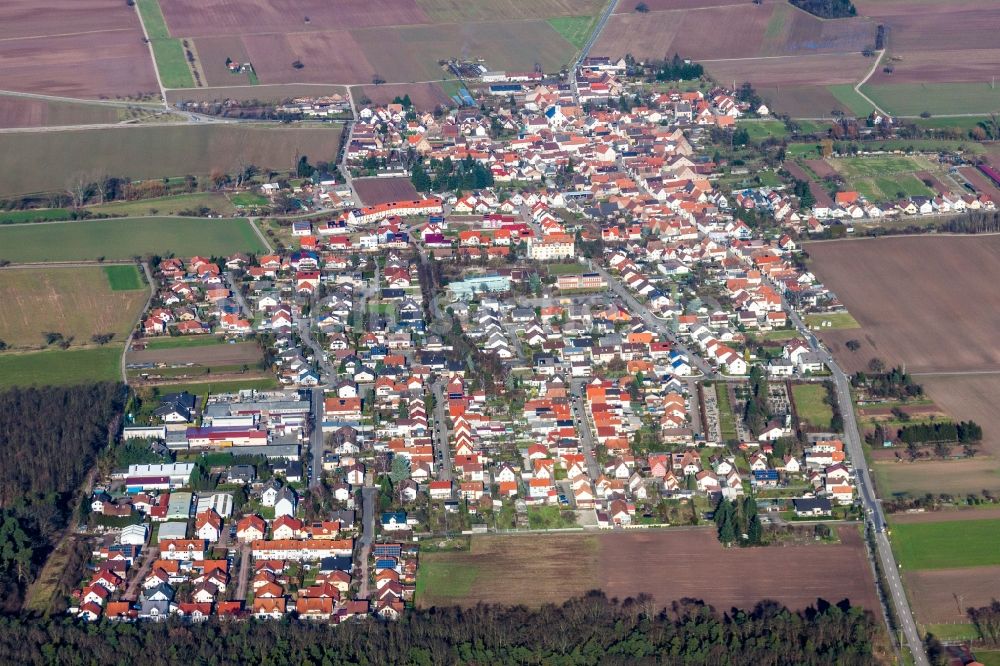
[876,365]
[297,64]
[853,345]
[418,176]
[303,169]
[642,8]
[399,469]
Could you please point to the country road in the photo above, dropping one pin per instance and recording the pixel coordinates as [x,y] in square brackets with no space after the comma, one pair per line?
[870,501]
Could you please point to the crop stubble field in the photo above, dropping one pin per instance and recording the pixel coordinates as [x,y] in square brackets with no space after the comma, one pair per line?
[668,564]
[77,302]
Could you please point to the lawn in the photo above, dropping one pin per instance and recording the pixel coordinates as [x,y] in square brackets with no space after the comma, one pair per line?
[566,269]
[574,29]
[123,278]
[988,657]
[764,129]
[123,238]
[935,98]
[60,368]
[945,545]
[248,199]
[810,402]
[75,302]
[34,215]
[875,167]
[832,321]
[550,517]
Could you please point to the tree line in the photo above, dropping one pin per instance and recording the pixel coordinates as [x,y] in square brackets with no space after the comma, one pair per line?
[446,174]
[896,383]
[964,432]
[738,522]
[49,438]
[591,629]
[827,8]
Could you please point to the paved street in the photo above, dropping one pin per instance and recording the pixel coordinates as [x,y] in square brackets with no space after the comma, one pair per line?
[441,448]
[579,407]
[866,490]
[369,499]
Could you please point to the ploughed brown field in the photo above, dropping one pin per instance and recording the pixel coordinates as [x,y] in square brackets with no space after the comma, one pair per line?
[942,595]
[668,564]
[31,112]
[800,70]
[75,48]
[274,93]
[980,181]
[222,354]
[383,190]
[929,302]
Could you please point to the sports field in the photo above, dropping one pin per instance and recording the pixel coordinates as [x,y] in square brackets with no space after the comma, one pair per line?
[668,564]
[945,545]
[123,238]
[60,368]
[76,302]
[155,151]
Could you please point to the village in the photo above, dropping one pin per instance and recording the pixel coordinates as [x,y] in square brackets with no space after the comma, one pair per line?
[588,338]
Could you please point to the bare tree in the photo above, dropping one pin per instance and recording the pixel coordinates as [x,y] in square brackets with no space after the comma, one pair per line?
[76,188]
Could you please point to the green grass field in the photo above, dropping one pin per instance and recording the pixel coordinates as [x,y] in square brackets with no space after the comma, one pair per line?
[168,52]
[988,657]
[182,342]
[764,129]
[953,632]
[123,278]
[727,421]
[152,18]
[61,368]
[945,545]
[845,94]
[838,320]
[204,388]
[123,238]
[875,167]
[810,402]
[38,215]
[574,29]
[216,202]
[447,577]
[935,98]
[171,63]
[248,199]
[566,269]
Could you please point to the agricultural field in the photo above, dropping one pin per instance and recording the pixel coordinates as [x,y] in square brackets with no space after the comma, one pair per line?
[123,238]
[947,544]
[935,98]
[310,41]
[884,178]
[59,367]
[953,477]
[238,90]
[31,112]
[373,191]
[793,58]
[75,48]
[196,362]
[61,157]
[76,302]
[924,301]
[532,570]
[811,405]
[216,202]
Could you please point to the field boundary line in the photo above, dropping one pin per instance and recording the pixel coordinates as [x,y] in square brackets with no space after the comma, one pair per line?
[253,225]
[857,86]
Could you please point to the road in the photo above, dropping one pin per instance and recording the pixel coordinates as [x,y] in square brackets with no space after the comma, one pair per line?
[238,295]
[866,492]
[316,444]
[262,237]
[149,555]
[128,341]
[579,406]
[651,320]
[442,453]
[345,170]
[245,567]
[369,497]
